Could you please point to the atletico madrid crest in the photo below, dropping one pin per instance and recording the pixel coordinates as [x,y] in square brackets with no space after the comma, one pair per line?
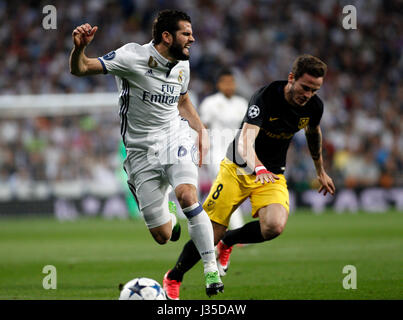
[303,122]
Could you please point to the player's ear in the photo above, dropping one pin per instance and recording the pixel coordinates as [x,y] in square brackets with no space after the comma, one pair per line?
[167,37]
[290,77]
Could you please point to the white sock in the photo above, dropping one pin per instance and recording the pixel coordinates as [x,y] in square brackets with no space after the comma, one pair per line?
[201,232]
[236,220]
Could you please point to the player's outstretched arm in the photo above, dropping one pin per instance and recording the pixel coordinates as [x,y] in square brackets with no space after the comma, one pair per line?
[187,110]
[80,64]
[247,151]
[314,139]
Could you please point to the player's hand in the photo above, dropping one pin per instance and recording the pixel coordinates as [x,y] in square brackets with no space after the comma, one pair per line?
[263,175]
[203,145]
[83,35]
[326,184]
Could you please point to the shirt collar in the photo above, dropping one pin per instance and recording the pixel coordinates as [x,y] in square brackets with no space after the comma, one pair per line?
[164,61]
[223,96]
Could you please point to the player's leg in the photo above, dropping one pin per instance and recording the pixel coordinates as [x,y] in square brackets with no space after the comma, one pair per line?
[236,220]
[183,176]
[187,259]
[270,203]
[272,220]
[150,190]
[152,197]
[227,193]
[201,232]
[190,255]
[219,205]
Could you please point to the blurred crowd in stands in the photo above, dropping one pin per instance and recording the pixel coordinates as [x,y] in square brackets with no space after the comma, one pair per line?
[55,149]
[363,91]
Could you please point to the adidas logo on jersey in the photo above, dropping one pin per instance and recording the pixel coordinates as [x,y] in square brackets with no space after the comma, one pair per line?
[149,73]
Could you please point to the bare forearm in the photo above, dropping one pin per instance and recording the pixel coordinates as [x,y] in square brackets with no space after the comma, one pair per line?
[77,62]
[246,145]
[194,121]
[250,157]
[80,64]
[314,140]
[187,111]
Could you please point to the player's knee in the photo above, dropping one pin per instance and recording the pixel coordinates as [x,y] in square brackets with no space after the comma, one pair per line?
[272,230]
[161,237]
[186,198]
[186,195]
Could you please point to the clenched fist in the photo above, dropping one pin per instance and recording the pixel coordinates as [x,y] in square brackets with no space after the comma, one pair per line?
[83,35]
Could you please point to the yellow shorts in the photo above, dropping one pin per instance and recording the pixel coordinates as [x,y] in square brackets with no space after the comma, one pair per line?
[231,188]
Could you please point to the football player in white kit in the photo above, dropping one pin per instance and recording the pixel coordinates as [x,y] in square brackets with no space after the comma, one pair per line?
[156,112]
[222,113]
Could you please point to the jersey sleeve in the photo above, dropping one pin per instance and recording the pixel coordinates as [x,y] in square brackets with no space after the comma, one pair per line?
[317,116]
[255,114]
[186,80]
[118,62]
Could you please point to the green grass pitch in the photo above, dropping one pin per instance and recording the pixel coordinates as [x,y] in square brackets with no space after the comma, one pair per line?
[92,256]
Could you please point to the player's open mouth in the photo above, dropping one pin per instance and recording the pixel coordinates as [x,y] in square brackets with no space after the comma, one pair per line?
[301,100]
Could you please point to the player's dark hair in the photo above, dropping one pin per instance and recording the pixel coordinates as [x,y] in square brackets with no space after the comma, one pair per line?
[224,72]
[309,64]
[167,20]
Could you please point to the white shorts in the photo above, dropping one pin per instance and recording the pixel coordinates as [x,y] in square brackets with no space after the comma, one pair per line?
[169,161]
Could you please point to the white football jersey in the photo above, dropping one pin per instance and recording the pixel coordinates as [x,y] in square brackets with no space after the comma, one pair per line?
[150,87]
[219,112]
[223,117]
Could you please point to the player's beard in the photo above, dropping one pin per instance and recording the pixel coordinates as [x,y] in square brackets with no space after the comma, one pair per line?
[176,51]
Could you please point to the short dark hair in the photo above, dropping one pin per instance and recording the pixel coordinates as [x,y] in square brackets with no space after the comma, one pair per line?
[225,71]
[167,20]
[309,64]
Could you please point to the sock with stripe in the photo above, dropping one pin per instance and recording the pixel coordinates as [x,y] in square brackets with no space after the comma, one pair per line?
[201,232]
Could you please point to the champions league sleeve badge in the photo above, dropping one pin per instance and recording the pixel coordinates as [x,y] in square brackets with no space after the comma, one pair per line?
[253,111]
[109,56]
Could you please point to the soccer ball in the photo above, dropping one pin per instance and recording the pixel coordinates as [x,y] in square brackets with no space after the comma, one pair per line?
[142,289]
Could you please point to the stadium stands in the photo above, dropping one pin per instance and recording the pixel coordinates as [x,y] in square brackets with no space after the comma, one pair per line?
[363,91]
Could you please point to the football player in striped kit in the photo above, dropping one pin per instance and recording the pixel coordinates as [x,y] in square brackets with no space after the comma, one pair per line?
[156,116]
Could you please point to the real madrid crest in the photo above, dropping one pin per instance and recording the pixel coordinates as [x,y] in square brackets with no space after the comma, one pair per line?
[181,76]
[152,63]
